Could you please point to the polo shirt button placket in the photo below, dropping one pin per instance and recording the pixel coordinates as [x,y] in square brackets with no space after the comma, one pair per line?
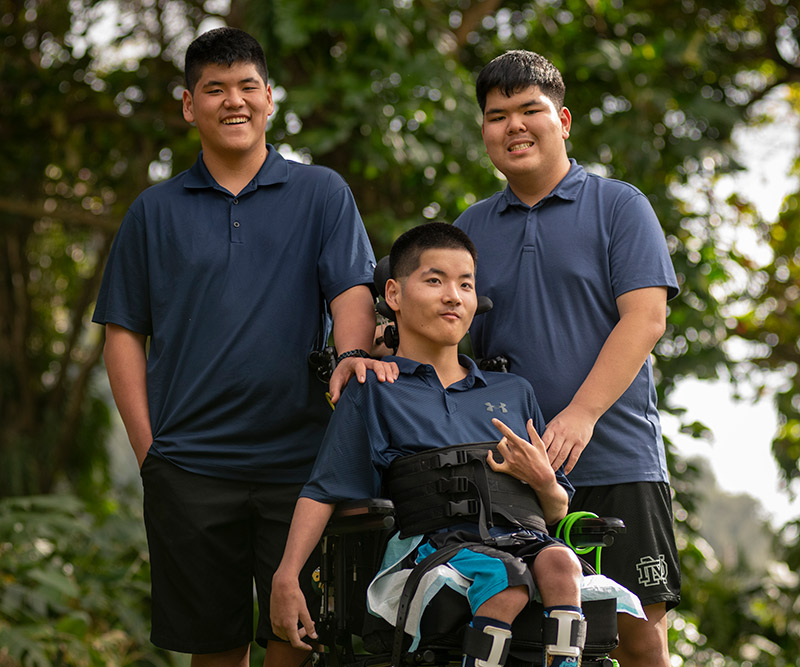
[236,225]
[530,230]
[236,232]
[449,403]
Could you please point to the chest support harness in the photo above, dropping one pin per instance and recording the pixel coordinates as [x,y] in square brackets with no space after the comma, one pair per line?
[455,485]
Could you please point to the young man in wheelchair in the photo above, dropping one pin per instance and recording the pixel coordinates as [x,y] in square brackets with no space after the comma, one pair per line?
[441,398]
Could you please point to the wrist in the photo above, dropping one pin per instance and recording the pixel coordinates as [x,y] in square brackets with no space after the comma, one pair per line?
[283,577]
[586,410]
[357,352]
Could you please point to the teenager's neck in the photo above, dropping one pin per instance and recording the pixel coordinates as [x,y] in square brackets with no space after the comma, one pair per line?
[443,359]
[233,172]
[531,188]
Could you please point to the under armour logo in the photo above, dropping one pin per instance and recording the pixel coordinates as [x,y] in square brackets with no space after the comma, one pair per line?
[652,572]
[491,408]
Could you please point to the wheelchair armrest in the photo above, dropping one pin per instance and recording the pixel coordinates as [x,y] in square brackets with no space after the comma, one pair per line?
[595,531]
[364,514]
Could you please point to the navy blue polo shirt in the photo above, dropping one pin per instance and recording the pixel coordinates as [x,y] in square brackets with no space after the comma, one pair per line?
[554,272]
[232,291]
[376,422]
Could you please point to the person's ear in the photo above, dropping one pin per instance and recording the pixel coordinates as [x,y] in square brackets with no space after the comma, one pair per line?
[270,103]
[566,122]
[394,294]
[188,106]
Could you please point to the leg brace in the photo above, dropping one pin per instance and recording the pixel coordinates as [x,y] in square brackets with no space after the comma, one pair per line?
[564,633]
[487,647]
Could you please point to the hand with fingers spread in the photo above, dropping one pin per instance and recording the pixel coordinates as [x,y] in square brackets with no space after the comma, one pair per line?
[358,366]
[528,462]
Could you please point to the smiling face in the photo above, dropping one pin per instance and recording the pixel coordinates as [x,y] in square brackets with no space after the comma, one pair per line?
[524,136]
[230,107]
[435,304]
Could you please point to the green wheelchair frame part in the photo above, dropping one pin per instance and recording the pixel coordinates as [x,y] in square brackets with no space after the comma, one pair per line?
[566,524]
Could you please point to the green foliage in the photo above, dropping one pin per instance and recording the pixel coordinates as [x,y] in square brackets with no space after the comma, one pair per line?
[76,153]
[75,587]
[382,91]
[734,615]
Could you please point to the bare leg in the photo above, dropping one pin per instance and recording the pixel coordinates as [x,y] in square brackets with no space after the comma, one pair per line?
[557,571]
[492,621]
[238,657]
[505,605]
[643,643]
[281,654]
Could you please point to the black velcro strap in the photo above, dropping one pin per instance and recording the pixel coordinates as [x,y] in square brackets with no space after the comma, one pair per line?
[578,635]
[550,631]
[452,485]
[478,644]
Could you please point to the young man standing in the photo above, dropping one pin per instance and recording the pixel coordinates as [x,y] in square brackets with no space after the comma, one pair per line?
[230,270]
[579,272]
[441,398]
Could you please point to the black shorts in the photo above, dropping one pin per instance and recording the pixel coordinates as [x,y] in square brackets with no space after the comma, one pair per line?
[209,539]
[645,558]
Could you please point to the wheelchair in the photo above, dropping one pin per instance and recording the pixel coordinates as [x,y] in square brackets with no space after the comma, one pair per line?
[352,550]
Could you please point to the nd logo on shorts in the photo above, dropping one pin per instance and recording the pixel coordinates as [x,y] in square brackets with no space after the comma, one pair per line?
[652,571]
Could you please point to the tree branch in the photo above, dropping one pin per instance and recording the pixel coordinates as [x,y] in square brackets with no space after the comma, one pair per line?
[472,16]
[77,328]
[75,404]
[20,310]
[66,214]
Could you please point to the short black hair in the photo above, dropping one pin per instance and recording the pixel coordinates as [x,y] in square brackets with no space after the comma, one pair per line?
[406,251]
[514,71]
[223,46]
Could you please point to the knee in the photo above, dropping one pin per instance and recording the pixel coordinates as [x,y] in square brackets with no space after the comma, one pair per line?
[643,642]
[238,657]
[557,563]
[641,652]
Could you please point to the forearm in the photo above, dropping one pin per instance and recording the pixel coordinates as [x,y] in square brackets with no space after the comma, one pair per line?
[308,523]
[126,364]
[553,498]
[288,608]
[353,319]
[554,502]
[620,359]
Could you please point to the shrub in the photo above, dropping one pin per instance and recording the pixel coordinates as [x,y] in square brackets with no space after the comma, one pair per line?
[74,586]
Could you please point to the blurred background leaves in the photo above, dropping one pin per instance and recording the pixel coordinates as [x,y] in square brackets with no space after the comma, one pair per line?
[383,92]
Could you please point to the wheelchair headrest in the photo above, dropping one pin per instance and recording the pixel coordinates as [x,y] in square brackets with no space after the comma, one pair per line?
[382,274]
[380,277]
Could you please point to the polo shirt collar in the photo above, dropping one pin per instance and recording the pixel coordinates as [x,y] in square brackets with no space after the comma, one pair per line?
[410,367]
[274,170]
[568,188]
